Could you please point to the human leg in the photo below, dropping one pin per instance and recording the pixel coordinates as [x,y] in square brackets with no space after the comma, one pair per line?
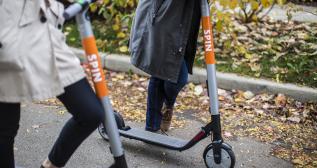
[9,125]
[155,101]
[171,90]
[87,113]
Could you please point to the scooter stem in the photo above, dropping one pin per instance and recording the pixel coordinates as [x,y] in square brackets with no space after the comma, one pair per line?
[80,9]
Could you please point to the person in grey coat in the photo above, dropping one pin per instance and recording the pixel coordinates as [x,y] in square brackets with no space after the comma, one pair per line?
[163,44]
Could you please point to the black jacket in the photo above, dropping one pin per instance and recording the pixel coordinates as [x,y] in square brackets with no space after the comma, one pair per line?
[164,33]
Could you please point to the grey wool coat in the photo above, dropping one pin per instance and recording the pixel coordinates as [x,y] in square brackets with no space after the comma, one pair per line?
[163,34]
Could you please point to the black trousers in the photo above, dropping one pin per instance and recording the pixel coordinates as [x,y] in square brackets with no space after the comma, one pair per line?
[87,113]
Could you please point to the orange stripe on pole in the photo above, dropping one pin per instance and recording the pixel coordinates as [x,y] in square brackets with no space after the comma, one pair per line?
[95,66]
[208,41]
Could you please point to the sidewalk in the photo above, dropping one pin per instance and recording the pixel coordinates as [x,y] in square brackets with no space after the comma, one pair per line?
[40,125]
[279,13]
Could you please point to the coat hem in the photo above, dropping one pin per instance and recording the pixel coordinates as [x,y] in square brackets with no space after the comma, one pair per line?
[146,70]
[70,79]
[39,97]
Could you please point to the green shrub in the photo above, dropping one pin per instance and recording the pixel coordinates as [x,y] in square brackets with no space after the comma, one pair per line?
[245,44]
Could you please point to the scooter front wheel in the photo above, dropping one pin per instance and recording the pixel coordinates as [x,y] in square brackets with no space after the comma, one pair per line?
[102,129]
[103,132]
[227,157]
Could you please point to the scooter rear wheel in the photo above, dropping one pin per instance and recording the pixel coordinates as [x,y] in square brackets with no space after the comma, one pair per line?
[227,157]
[120,123]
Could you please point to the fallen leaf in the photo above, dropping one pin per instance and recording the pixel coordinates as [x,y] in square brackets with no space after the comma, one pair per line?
[248,95]
[191,86]
[198,90]
[61,112]
[123,49]
[141,89]
[294,119]
[298,162]
[222,92]
[35,126]
[227,134]
[280,100]
[120,76]
[259,112]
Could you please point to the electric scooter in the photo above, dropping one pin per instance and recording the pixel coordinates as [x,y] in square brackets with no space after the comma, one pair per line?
[218,153]
[80,10]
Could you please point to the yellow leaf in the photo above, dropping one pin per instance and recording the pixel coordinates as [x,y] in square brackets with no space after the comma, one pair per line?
[123,49]
[227,44]
[93,7]
[255,18]
[68,28]
[115,27]
[220,15]
[131,3]
[254,5]
[281,2]
[277,78]
[224,3]
[298,161]
[191,86]
[106,1]
[121,35]
[242,50]
[248,56]
[265,3]
[239,100]
[233,4]
[120,76]
[219,25]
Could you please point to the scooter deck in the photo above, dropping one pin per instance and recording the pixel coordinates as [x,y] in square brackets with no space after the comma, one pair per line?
[154,138]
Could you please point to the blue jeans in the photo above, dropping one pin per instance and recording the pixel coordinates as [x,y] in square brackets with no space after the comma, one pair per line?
[159,92]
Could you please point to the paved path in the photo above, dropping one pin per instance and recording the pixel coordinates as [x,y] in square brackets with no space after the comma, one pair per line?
[40,125]
[279,13]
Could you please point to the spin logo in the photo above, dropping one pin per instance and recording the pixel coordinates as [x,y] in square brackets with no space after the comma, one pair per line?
[208,41]
[95,71]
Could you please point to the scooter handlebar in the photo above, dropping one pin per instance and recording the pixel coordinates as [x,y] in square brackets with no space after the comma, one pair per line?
[75,8]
